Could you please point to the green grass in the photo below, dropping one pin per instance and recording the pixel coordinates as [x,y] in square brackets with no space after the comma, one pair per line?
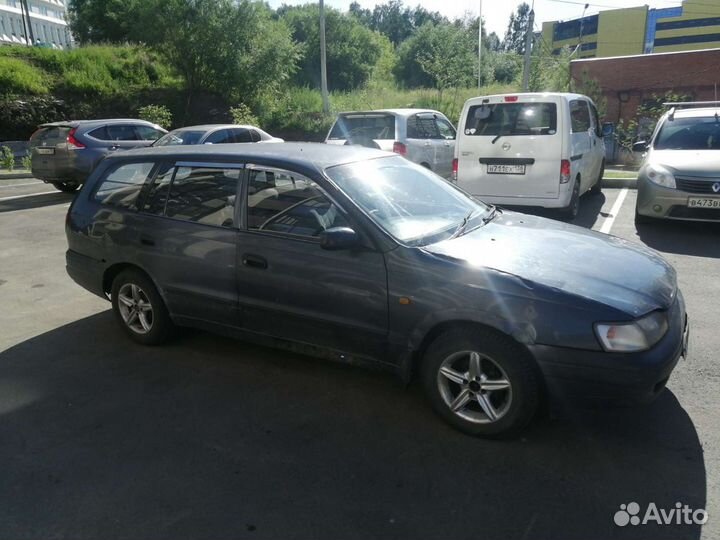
[19,77]
[629,175]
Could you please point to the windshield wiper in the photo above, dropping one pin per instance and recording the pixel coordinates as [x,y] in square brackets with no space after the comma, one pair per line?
[463,225]
[493,213]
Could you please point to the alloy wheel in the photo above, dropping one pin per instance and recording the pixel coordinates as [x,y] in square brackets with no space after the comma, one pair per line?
[135,308]
[474,387]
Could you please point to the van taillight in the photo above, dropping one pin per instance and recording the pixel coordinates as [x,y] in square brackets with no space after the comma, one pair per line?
[400,148]
[72,141]
[511,99]
[565,171]
[455,169]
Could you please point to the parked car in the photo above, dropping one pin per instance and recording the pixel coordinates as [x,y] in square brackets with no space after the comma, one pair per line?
[541,150]
[680,174]
[423,136]
[362,256]
[215,134]
[65,153]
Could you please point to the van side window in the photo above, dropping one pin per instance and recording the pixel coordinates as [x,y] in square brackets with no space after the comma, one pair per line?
[422,127]
[288,203]
[447,131]
[580,116]
[204,195]
[122,185]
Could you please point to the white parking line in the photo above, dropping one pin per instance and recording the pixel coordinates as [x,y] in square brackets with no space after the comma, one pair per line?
[18,185]
[29,195]
[614,211]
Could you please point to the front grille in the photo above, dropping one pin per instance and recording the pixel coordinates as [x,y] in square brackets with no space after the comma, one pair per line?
[697,185]
[683,212]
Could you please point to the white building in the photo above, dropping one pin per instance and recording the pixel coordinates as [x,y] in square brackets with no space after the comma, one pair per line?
[48,23]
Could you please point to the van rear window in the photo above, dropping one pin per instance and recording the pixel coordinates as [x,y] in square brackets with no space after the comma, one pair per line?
[364,126]
[511,119]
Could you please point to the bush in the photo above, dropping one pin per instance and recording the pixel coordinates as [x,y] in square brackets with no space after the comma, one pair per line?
[243,115]
[27,162]
[18,77]
[7,158]
[157,114]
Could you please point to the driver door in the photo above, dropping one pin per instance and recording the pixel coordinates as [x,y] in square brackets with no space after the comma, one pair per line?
[291,288]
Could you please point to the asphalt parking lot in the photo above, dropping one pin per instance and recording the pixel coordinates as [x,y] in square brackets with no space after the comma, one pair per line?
[213,438]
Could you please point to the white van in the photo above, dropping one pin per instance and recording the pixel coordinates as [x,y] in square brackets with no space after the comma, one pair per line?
[543,150]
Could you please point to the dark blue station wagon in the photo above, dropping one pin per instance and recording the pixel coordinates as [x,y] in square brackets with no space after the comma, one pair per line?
[362,256]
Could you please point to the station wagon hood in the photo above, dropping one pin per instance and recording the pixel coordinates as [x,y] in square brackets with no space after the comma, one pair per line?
[601,268]
[699,163]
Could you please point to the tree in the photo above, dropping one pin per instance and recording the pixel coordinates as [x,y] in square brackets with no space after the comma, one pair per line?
[437,56]
[353,50]
[517,30]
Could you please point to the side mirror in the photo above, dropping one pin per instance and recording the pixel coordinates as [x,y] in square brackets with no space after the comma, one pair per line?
[640,146]
[338,238]
[608,129]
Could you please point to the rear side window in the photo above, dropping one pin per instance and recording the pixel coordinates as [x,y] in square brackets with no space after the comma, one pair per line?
[422,126]
[179,137]
[221,136]
[122,185]
[100,134]
[580,116]
[121,132]
[204,195]
[511,119]
[367,126]
[242,136]
[157,192]
[255,136]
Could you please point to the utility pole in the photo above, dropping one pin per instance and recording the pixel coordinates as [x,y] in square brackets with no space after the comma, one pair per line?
[323,61]
[480,47]
[528,50]
[27,22]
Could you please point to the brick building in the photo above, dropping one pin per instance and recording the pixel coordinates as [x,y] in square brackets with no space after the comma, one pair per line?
[629,81]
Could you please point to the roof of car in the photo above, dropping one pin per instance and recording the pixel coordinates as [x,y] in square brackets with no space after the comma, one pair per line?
[208,127]
[397,112]
[304,155]
[100,122]
[697,112]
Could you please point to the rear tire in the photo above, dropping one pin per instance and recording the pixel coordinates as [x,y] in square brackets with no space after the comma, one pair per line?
[66,187]
[140,309]
[597,187]
[497,397]
[570,212]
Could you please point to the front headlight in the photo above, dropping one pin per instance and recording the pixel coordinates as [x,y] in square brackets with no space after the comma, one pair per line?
[635,336]
[659,175]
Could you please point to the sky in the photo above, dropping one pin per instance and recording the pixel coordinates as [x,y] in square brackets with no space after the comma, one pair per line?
[497,12]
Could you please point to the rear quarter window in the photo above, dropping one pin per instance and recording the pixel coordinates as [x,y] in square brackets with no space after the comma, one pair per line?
[121,186]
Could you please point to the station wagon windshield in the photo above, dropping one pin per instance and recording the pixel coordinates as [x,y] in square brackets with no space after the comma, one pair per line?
[689,134]
[512,119]
[412,204]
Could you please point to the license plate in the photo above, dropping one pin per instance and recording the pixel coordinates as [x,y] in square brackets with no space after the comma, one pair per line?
[704,202]
[506,169]
[45,151]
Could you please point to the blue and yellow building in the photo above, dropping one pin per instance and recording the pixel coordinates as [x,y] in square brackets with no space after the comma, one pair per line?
[638,30]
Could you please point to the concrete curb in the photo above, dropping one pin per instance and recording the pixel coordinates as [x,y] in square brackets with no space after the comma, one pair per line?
[15,176]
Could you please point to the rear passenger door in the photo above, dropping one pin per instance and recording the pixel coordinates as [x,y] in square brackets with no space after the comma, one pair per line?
[187,241]
[446,147]
[291,288]
[421,130]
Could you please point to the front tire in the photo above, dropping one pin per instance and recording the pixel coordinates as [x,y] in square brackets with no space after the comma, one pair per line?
[481,382]
[597,187]
[139,308]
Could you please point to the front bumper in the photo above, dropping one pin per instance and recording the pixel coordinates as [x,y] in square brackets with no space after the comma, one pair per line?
[666,203]
[623,378]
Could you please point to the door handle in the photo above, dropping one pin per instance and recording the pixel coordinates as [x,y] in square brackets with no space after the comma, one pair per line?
[254,261]
[147,241]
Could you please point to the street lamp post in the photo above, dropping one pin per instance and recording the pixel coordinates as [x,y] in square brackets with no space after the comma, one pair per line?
[323,61]
[480,47]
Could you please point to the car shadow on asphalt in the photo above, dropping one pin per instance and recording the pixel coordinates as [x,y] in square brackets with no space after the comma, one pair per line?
[35,201]
[208,437]
[696,238]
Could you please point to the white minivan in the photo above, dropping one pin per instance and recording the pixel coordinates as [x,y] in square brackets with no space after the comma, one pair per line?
[542,150]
